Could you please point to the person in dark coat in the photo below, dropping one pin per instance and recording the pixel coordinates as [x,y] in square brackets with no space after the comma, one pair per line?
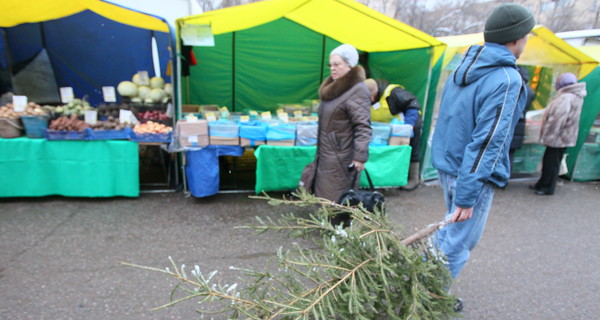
[394,101]
[519,133]
[344,130]
[560,129]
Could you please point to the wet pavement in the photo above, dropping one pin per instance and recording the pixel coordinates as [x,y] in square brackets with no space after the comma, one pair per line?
[60,257]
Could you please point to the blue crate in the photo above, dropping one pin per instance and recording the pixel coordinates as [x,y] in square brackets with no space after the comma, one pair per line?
[152,137]
[66,135]
[124,134]
[35,126]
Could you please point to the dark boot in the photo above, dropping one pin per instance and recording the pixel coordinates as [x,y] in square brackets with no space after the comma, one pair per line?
[413,177]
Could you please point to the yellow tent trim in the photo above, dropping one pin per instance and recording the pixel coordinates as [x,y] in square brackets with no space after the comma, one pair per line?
[592,51]
[346,21]
[15,12]
[545,48]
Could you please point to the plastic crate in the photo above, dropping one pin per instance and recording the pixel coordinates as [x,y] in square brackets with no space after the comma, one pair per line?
[66,135]
[152,137]
[35,126]
[124,134]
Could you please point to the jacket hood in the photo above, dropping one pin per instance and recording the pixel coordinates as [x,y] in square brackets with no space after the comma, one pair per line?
[480,60]
[578,89]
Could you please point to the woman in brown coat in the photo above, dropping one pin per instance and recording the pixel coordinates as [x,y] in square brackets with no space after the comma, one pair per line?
[344,129]
[559,129]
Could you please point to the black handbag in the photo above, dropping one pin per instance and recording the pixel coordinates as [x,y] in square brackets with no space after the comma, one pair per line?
[370,199]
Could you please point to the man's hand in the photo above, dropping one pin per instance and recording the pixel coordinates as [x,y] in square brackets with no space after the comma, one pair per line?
[462,214]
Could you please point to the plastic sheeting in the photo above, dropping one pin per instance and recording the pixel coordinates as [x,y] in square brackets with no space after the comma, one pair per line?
[279,168]
[37,167]
[202,168]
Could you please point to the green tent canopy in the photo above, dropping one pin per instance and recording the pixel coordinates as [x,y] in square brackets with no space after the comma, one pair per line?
[272,52]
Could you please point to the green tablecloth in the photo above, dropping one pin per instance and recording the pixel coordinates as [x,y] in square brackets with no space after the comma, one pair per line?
[587,167]
[37,167]
[279,168]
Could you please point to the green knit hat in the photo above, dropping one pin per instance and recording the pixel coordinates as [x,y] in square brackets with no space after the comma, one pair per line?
[508,22]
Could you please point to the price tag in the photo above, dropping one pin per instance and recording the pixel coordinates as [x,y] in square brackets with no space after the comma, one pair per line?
[266,115]
[66,94]
[144,78]
[19,103]
[210,116]
[91,116]
[298,114]
[376,106]
[193,139]
[109,94]
[244,118]
[126,116]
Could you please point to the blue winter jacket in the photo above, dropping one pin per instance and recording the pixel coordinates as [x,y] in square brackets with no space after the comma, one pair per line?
[480,106]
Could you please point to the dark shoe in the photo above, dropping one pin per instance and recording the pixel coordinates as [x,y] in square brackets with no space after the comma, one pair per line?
[532,187]
[542,193]
[458,305]
[413,178]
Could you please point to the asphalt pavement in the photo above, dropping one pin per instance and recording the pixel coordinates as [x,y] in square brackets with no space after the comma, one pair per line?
[60,257]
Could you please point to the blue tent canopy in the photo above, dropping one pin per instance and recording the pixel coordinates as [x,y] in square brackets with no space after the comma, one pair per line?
[86,50]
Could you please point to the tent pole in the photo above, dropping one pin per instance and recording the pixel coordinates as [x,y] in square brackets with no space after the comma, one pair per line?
[322,58]
[233,72]
[8,56]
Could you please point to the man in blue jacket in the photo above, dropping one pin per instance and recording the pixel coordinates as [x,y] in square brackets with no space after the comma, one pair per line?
[481,104]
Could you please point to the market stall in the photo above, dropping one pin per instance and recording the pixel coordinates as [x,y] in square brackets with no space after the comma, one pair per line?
[546,56]
[66,55]
[268,54]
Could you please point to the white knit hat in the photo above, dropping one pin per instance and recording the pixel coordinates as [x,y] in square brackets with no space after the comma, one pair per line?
[348,53]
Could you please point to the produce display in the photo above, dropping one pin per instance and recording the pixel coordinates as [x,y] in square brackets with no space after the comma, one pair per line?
[76,107]
[33,109]
[156,91]
[152,127]
[152,115]
[106,111]
[71,123]
[110,124]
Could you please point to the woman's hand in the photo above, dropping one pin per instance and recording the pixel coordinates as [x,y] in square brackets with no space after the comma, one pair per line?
[359,166]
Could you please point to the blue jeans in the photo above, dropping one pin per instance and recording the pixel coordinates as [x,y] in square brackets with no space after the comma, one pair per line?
[456,240]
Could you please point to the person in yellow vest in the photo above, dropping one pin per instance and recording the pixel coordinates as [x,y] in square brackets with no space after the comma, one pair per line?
[391,101]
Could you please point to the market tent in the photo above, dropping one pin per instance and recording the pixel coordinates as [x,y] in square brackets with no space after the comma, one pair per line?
[89,43]
[544,49]
[584,159]
[276,51]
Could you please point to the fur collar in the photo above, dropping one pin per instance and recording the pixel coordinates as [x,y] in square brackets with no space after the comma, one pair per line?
[331,89]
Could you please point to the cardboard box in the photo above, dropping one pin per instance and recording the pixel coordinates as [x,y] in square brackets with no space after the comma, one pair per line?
[250,143]
[282,143]
[190,108]
[192,133]
[399,141]
[224,141]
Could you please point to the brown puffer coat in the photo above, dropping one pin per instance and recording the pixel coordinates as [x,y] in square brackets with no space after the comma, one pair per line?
[344,132]
[561,118]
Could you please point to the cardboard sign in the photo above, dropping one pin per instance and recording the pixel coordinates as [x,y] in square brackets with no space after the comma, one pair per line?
[91,116]
[66,94]
[109,94]
[19,103]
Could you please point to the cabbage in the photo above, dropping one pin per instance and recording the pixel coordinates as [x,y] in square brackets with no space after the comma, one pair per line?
[157,94]
[144,92]
[127,89]
[157,82]
[169,89]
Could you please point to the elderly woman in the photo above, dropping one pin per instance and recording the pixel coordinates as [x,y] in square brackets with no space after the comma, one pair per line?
[344,129]
[559,129]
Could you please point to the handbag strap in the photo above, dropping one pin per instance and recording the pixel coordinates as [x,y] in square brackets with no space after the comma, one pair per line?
[368,178]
